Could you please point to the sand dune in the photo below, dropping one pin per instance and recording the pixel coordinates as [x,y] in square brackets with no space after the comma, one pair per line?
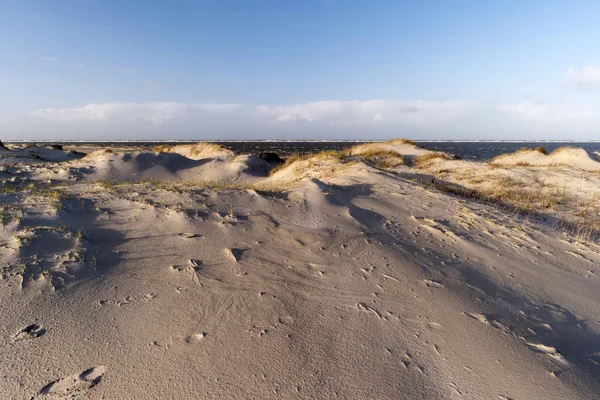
[35,154]
[368,273]
[134,166]
[197,151]
[563,187]
[406,149]
[564,156]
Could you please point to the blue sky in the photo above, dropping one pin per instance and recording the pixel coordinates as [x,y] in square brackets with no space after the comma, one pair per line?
[299,69]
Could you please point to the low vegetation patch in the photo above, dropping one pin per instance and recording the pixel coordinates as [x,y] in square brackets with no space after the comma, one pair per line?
[55,193]
[515,193]
[580,218]
[586,225]
[406,141]
[310,158]
[561,149]
[178,186]
[162,148]
[538,149]
[9,213]
[382,158]
[424,158]
[195,151]
[204,148]
[526,198]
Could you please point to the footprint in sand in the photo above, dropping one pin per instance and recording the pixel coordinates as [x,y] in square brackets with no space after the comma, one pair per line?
[366,308]
[75,386]
[316,269]
[30,332]
[187,235]
[235,254]
[434,325]
[493,323]
[196,264]
[196,337]
[479,317]
[549,350]
[431,283]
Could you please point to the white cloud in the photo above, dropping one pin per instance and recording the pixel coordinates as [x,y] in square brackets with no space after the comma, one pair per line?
[151,112]
[360,112]
[548,112]
[155,113]
[340,112]
[291,117]
[584,78]
[49,59]
[371,119]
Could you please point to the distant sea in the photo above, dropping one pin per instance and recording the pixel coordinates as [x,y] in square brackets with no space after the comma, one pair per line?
[484,151]
[468,150]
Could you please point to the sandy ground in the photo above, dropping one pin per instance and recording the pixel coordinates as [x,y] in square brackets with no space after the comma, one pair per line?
[157,276]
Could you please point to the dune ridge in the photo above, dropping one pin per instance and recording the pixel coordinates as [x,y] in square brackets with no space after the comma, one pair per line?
[563,156]
[197,151]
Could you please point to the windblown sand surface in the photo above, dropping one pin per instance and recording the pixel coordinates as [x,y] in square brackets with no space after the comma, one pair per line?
[382,272]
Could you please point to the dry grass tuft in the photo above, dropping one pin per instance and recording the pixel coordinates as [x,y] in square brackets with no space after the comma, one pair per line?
[518,196]
[542,150]
[539,149]
[586,225]
[204,148]
[563,148]
[423,158]
[526,198]
[377,157]
[163,148]
[512,193]
[382,158]
[406,141]
[195,151]
[310,158]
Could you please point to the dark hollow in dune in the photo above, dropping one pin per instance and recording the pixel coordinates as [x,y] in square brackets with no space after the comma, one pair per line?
[270,157]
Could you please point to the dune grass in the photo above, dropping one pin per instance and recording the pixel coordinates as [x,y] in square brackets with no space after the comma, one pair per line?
[510,192]
[580,218]
[163,148]
[424,158]
[381,158]
[563,148]
[540,149]
[405,141]
[372,154]
[187,186]
[193,150]
[311,158]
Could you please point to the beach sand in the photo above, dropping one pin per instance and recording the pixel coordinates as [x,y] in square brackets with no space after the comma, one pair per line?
[382,272]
